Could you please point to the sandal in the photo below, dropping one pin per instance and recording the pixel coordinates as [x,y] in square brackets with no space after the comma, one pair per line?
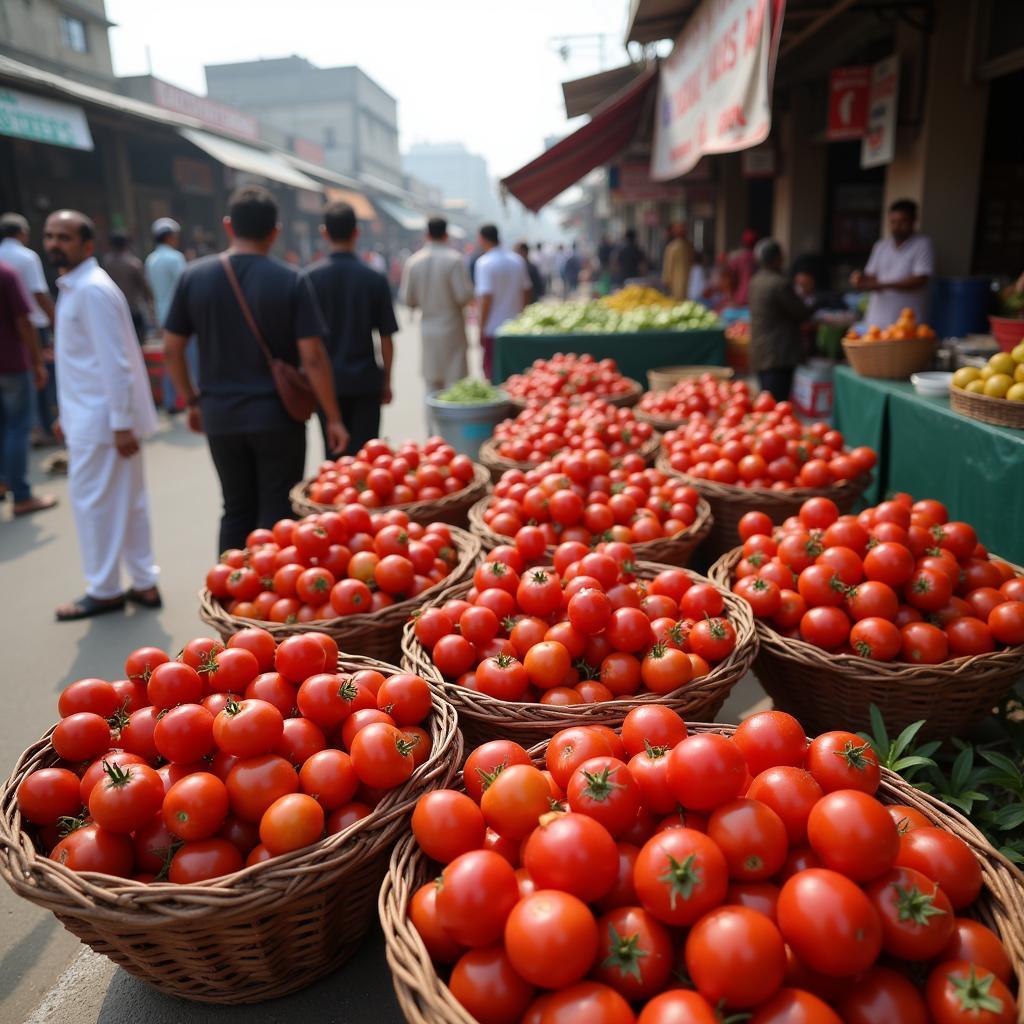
[86,607]
[26,508]
[148,598]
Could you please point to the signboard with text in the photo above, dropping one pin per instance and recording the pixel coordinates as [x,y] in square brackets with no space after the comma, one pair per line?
[38,119]
[878,147]
[714,88]
[848,103]
[207,111]
[631,183]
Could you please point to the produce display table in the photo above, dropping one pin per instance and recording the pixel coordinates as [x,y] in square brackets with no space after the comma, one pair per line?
[926,449]
[635,353]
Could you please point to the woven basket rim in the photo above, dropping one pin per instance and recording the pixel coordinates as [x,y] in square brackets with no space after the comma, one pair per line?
[904,673]
[490,457]
[886,343]
[142,904]
[426,999]
[487,708]
[215,614]
[304,505]
[998,412]
[659,423]
[626,399]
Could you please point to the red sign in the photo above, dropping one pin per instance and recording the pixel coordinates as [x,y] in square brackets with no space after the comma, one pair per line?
[848,90]
[631,183]
[306,150]
[209,112]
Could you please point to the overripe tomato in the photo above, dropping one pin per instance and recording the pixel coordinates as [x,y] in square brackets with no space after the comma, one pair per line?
[680,874]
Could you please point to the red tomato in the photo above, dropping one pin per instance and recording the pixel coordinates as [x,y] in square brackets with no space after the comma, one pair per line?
[551,938]
[635,956]
[382,756]
[202,860]
[677,1006]
[195,807]
[328,776]
[791,793]
[944,858]
[48,794]
[890,563]
[842,760]
[127,798]
[572,853]
[254,783]
[488,987]
[478,893]
[917,919]
[751,836]
[973,942]
[515,800]
[706,770]
[82,736]
[883,994]
[653,724]
[959,992]
[92,848]
[603,789]
[771,738]
[680,874]
[853,834]
[795,1006]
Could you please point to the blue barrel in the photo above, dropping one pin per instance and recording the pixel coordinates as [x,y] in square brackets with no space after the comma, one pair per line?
[959,306]
[465,426]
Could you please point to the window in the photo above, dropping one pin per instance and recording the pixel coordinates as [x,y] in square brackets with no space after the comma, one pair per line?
[72,34]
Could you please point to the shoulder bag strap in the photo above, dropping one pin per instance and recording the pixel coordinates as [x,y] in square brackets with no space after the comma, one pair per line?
[225,262]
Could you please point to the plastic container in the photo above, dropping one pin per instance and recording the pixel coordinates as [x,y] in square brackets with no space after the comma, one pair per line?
[465,426]
[812,389]
[958,305]
[1008,331]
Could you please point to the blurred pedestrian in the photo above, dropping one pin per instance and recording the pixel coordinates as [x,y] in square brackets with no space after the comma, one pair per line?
[25,262]
[776,313]
[743,263]
[677,263]
[164,265]
[436,282]
[536,282]
[503,287]
[126,271]
[257,447]
[571,270]
[106,411]
[356,302]
[627,259]
[22,372]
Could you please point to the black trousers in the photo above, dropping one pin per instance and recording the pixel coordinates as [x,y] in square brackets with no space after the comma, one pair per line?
[256,470]
[778,382]
[361,416]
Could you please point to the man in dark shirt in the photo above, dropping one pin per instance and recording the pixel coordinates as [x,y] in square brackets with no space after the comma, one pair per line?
[627,259]
[258,450]
[536,281]
[356,301]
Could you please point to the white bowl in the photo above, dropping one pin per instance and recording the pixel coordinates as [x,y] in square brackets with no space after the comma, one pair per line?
[932,383]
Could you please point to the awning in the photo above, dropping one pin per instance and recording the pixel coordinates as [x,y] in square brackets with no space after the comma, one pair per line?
[363,207]
[249,160]
[409,219]
[611,128]
[651,20]
[582,95]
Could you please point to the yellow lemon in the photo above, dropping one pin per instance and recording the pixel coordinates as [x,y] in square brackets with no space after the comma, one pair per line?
[1002,362]
[1018,352]
[986,372]
[965,375]
[976,387]
[998,384]
[1016,393]
[1018,373]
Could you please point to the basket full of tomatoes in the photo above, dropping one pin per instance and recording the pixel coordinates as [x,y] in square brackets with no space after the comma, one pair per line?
[582,497]
[218,823]
[897,607]
[430,484]
[577,880]
[568,374]
[353,573]
[522,653]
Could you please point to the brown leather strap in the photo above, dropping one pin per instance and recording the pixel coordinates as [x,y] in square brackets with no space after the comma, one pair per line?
[225,262]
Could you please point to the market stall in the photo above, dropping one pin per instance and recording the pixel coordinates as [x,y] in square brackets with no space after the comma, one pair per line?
[919,442]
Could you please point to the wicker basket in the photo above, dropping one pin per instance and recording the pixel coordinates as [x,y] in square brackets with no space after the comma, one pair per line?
[658,422]
[498,464]
[450,509]
[835,691]
[730,503]
[258,934]
[625,400]
[675,550]
[889,360]
[998,411]
[426,999]
[664,377]
[374,634]
[484,718]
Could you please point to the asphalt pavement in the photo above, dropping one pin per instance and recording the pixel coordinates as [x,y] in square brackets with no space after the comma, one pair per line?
[46,975]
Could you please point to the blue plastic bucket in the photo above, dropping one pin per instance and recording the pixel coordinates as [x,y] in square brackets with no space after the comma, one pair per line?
[959,306]
[465,426]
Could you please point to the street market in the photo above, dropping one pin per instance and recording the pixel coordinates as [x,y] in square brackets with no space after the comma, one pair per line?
[591,594]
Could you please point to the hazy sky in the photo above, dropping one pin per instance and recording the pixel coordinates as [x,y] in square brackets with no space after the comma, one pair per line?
[481,71]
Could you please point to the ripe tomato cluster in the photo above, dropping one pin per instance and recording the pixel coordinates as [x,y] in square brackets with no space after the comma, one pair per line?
[568,374]
[767,447]
[704,394]
[261,749]
[579,424]
[579,886]
[378,475]
[582,496]
[333,564]
[899,582]
[583,631]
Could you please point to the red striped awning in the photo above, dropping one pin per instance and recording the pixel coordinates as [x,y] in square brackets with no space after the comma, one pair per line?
[610,130]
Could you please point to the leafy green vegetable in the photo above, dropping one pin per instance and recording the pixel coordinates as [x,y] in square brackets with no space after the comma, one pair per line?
[596,318]
[472,391]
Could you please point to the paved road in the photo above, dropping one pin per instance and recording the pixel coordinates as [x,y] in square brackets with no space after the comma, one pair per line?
[40,963]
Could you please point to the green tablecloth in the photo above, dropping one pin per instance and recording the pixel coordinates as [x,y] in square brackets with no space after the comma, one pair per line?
[635,354]
[930,451]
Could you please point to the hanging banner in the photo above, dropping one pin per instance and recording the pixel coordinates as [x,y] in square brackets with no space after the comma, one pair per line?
[38,119]
[714,88]
[848,103]
[878,146]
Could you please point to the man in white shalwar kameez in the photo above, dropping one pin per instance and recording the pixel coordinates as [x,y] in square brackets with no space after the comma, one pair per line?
[106,410]
[436,282]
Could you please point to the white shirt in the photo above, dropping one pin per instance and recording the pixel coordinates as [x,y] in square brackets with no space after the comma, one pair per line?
[892,262]
[102,385]
[502,275]
[29,267]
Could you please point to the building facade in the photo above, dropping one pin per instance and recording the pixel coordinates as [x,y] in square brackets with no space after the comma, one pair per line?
[457,172]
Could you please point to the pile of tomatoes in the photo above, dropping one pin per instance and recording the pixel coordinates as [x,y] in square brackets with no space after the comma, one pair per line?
[767,447]
[899,582]
[582,496]
[759,868]
[579,424]
[194,767]
[706,395]
[345,562]
[568,374]
[378,475]
[584,630]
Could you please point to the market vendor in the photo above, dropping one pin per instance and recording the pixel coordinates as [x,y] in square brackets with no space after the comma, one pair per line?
[898,270]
